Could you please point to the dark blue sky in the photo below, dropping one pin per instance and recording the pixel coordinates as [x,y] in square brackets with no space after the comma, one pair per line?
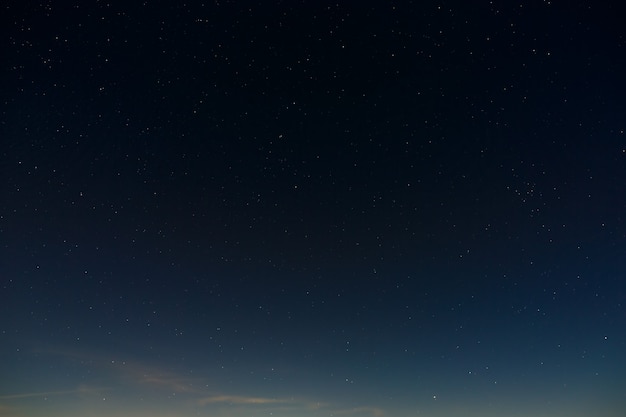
[369,209]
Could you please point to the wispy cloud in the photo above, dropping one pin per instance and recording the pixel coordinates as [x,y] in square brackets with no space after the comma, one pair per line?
[371,411]
[131,371]
[42,394]
[170,382]
[7,411]
[240,399]
[34,394]
[144,375]
[242,404]
[150,379]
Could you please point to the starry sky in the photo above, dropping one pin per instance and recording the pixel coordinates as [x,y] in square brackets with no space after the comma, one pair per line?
[308,208]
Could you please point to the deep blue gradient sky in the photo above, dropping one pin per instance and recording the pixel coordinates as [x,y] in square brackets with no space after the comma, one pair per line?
[370,209]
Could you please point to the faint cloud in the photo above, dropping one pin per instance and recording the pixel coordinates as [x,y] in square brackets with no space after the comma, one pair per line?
[6,411]
[79,390]
[370,411]
[131,371]
[171,382]
[239,399]
[146,375]
[33,395]
[123,373]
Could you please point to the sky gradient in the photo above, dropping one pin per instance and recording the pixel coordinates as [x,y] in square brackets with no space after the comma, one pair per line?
[372,209]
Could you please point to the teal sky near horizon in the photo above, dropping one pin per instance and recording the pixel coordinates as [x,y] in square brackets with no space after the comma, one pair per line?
[91,384]
[279,209]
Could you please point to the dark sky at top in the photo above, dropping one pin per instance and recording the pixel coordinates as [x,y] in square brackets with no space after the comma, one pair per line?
[302,208]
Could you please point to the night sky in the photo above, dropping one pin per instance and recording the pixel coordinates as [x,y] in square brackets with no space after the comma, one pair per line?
[303,209]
